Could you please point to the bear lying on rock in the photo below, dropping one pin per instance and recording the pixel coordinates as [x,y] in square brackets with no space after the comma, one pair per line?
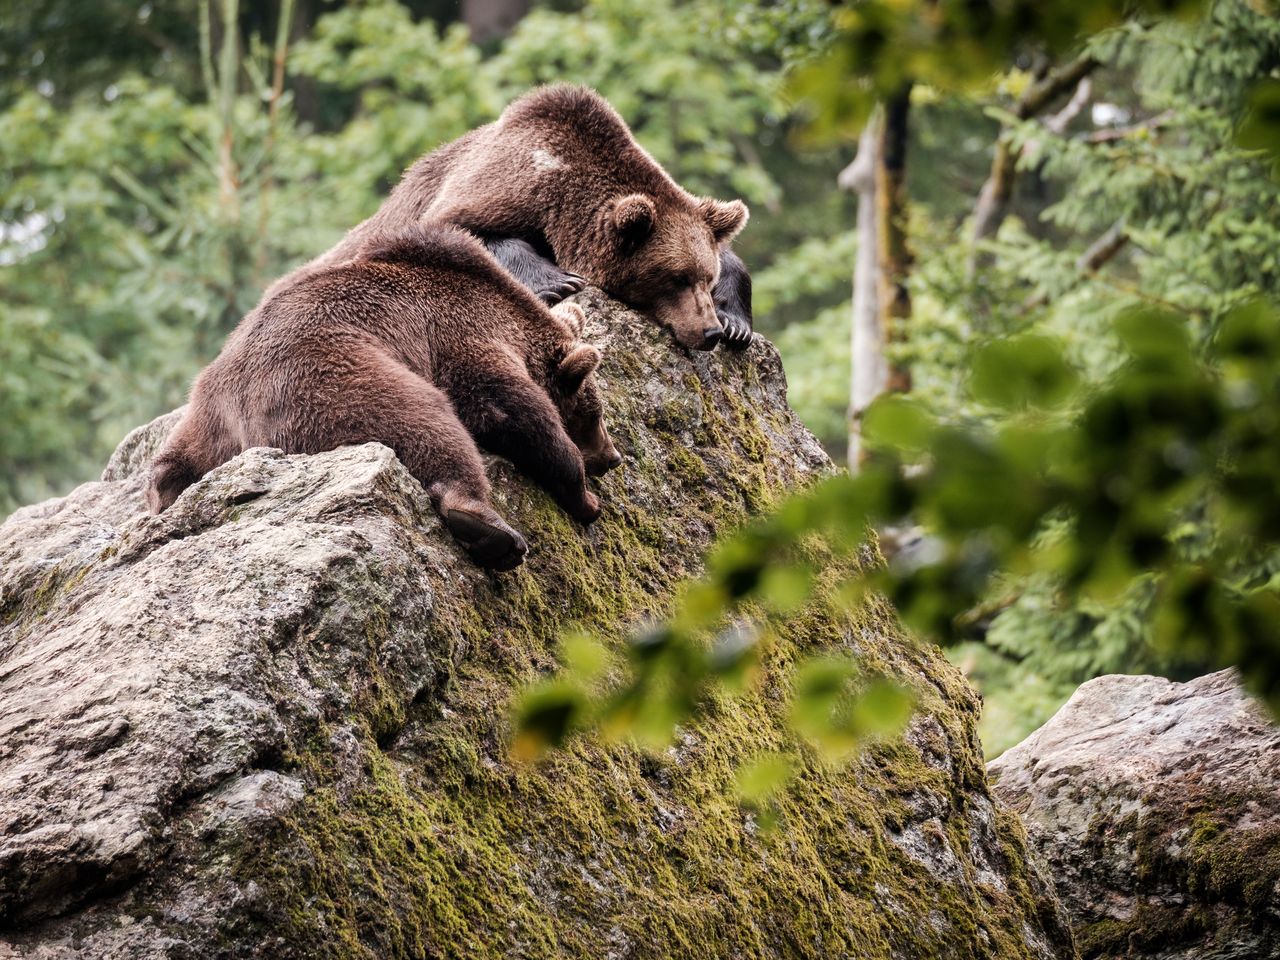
[423,343]
[408,332]
[560,191]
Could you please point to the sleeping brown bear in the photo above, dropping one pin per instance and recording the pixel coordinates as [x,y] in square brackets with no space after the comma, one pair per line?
[560,191]
[421,342]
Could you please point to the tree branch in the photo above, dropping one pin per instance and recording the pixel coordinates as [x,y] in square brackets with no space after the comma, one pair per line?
[1095,257]
[994,197]
[1059,122]
[1036,98]
[1120,133]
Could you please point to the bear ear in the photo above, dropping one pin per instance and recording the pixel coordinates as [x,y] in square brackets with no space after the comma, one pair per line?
[633,218]
[576,366]
[726,220]
[572,314]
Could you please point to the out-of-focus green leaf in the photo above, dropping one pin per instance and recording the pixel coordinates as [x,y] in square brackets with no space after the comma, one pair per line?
[895,422]
[1261,127]
[1025,371]
[762,778]
[545,716]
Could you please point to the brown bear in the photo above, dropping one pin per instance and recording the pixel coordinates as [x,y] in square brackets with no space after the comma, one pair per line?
[422,342]
[562,193]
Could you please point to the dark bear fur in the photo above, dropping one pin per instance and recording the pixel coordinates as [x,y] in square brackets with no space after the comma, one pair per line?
[421,342]
[561,173]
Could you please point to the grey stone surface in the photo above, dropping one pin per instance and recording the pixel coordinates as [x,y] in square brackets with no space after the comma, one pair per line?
[272,721]
[1156,806]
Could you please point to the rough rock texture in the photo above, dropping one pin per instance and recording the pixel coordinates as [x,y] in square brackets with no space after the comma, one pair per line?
[1157,807]
[271,722]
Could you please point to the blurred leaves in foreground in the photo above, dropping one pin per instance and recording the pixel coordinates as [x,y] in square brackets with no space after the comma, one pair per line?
[883,44]
[1090,486]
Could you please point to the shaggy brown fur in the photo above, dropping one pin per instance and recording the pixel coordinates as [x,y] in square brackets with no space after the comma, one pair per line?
[560,171]
[421,342]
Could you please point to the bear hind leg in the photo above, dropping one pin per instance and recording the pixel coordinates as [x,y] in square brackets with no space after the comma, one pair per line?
[511,415]
[191,450]
[392,405]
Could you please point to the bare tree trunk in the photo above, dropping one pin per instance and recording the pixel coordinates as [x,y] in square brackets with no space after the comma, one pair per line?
[870,372]
[894,254]
[993,200]
[881,300]
[492,19]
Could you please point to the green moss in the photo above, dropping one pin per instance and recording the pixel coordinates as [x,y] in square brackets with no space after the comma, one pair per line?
[57,584]
[441,846]
[1151,928]
[688,469]
[446,848]
[1188,845]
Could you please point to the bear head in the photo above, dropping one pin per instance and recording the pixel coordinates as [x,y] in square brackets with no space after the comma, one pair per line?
[576,395]
[663,258]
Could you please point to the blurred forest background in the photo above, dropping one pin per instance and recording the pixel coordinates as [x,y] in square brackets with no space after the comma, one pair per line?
[161,163]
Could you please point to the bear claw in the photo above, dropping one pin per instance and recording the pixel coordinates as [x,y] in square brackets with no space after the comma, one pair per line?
[561,287]
[491,543]
[737,332]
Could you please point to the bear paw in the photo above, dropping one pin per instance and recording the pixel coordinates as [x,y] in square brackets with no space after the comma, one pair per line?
[737,329]
[486,537]
[587,510]
[554,284]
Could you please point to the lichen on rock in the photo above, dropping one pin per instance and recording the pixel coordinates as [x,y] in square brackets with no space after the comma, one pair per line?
[1157,806]
[272,721]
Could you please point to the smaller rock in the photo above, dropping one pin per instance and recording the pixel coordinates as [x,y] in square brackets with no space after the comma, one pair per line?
[1157,807]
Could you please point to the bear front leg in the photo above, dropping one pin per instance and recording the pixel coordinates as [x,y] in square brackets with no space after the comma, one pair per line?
[732,296]
[511,415]
[540,274]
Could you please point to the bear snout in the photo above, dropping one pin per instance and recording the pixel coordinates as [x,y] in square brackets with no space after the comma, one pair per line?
[601,463]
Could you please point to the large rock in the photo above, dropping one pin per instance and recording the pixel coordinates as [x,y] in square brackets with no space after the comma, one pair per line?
[272,721]
[1157,807]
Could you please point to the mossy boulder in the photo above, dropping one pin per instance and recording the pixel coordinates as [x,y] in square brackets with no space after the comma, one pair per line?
[273,721]
[1157,807]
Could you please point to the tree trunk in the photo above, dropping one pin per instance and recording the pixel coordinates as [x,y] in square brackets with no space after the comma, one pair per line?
[894,254]
[881,300]
[870,373]
[492,19]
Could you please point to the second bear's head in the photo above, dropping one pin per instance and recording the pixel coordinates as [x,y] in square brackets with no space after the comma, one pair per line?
[576,394]
[664,258]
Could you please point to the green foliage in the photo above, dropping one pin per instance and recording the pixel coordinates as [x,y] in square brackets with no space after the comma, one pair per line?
[132,243]
[1199,239]
[882,45]
[124,272]
[1090,452]
[817,355]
